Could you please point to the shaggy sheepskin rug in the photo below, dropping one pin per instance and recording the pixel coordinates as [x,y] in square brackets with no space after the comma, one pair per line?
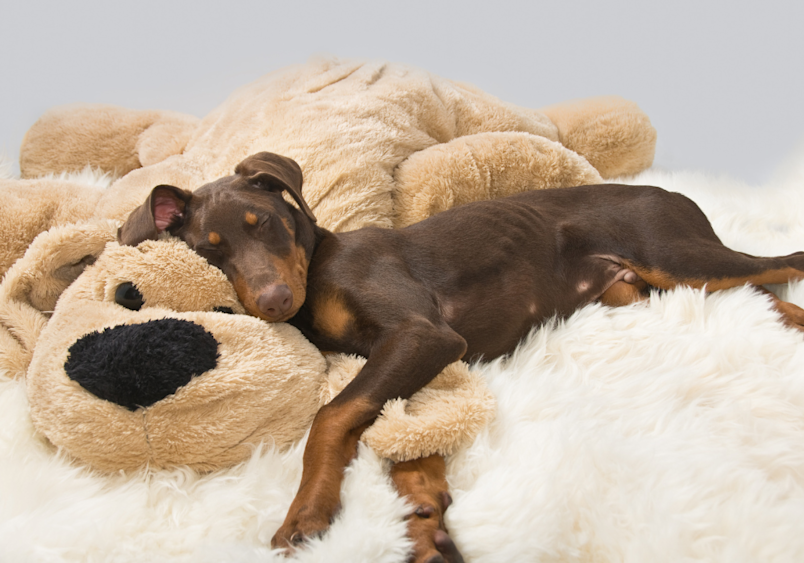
[671,430]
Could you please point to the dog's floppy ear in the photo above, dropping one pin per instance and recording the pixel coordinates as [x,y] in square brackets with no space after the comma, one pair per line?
[162,211]
[276,173]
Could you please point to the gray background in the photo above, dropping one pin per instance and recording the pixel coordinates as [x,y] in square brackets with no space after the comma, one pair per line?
[721,81]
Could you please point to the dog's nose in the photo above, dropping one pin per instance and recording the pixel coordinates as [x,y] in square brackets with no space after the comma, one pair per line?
[275,300]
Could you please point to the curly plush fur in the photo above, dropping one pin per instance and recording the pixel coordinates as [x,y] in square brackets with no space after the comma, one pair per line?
[666,431]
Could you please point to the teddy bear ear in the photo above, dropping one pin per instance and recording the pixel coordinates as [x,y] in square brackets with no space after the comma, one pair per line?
[164,210]
[275,172]
[34,283]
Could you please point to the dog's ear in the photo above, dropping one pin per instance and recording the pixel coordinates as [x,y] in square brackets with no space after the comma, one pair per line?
[276,173]
[164,210]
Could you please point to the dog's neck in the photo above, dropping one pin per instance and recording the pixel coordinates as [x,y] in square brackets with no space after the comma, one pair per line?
[320,234]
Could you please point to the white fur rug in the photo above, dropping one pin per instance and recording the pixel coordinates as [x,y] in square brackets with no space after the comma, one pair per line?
[666,431]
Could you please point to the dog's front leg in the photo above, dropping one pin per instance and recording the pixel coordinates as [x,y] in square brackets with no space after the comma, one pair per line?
[402,361]
[423,483]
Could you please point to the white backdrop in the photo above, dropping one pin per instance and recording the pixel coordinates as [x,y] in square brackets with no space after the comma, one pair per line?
[720,80]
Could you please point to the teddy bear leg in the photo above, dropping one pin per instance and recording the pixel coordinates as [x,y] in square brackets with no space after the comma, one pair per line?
[612,133]
[480,167]
[423,482]
[109,138]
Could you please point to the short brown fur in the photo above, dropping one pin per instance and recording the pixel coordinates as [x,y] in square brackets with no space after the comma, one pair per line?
[467,283]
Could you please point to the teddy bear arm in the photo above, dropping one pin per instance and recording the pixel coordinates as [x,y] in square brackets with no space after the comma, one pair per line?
[475,111]
[483,166]
[612,133]
[110,138]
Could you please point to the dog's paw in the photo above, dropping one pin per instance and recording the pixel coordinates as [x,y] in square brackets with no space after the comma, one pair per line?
[431,542]
[297,530]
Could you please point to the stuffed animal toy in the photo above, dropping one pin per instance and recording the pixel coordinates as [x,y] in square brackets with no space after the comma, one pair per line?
[379,144]
[132,356]
[666,431]
[158,366]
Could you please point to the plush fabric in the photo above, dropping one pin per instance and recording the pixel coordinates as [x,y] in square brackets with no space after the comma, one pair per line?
[364,133]
[379,144]
[665,431]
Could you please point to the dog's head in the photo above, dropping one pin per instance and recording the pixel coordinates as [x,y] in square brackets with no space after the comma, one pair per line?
[242,225]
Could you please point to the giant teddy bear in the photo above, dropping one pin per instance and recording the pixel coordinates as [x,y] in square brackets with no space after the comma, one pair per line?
[379,144]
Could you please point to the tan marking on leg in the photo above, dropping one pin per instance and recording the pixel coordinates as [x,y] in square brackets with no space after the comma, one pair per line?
[781,275]
[424,484]
[622,293]
[792,315]
[331,446]
[664,280]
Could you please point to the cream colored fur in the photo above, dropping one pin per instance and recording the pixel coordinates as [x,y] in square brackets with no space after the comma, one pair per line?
[441,418]
[34,206]
[379,144]
[364,133]
[666,431]
[111,138]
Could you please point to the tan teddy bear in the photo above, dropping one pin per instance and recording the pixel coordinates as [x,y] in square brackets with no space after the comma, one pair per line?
[379,144]
[138,356]
[183,377]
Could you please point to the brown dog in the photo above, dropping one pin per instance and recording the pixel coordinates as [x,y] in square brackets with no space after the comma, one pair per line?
[467,283]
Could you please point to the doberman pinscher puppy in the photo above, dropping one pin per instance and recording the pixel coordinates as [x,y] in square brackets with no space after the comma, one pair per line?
[467,283]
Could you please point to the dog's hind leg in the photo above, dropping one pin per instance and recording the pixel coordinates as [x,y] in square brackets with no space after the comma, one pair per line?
[623,293]
[710,265]
[792,315]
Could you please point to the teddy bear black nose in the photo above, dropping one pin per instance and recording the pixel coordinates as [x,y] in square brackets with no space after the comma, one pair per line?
[138,365]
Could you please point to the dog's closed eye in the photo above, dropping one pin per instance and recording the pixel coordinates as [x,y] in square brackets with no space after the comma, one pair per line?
[211,254]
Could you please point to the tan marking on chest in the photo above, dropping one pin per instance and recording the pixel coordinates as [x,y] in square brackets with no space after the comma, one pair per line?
[332,318]
[214,238]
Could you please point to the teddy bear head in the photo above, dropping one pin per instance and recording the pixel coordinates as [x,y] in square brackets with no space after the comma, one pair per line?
[146,360]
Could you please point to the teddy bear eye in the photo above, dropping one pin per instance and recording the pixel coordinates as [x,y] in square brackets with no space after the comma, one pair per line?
[128,296]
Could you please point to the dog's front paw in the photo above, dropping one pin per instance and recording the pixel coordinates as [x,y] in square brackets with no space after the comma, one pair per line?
[446,549]
[431,542]
[298,529]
